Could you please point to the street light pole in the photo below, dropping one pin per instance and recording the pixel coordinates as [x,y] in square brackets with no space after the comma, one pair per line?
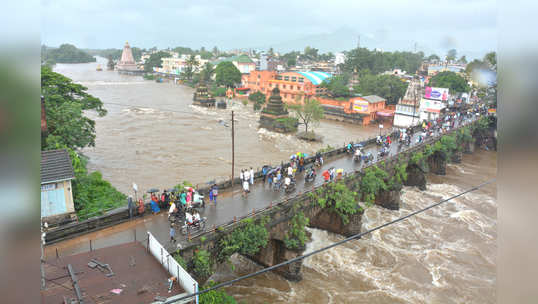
[233,147]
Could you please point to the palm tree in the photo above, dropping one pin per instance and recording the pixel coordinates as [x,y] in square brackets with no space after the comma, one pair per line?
[207,72]
[191,63]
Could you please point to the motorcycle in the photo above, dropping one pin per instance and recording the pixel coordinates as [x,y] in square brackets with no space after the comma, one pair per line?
[196,227]
[289,188]
[198,200]
[310,175]
[368,157]
[382,153]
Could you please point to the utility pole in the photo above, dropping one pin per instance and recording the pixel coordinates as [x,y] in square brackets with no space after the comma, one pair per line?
[233,148]
[359,42]
[415,47]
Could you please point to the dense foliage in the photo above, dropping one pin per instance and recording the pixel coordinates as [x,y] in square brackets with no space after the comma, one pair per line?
[201,264]
[389,87]
[65,102]
[155,61]
[216,296]
[288,123]
[337,86]
[395,182]
[296,237]
[258,98]
[115,54]
[371,183]
[310,112]
[227,74]
[338,198]
[67,127]
[66,53]
[362,59]
[246,240]
[207,72]
[450,80]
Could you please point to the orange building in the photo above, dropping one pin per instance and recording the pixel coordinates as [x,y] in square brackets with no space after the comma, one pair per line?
[293,86]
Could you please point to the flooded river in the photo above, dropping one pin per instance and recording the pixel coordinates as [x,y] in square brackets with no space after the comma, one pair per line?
[445,255]
[153,136]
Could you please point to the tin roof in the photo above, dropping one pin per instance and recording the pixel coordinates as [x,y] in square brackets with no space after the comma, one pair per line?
[56,166]
[316,77]
[373,98]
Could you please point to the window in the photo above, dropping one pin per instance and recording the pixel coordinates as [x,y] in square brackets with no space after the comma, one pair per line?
[259,76]
[287,78]
[301,79]
[279,77]
[293,78]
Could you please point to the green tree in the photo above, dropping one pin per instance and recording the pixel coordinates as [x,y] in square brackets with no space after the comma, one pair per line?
[207,72]
[491,59]
[451,55]
[110,64]
[309,112]
[271,52]
[311,53]
[474,66]
[433,57]
[183,50]
[450,80]
[67,53]
[155,61]
[191,63]
[338,198]
[337,86]
[360,59]
[227,74]
[389,87]
[462,60]
[65,102]
[258,98]
[215,51]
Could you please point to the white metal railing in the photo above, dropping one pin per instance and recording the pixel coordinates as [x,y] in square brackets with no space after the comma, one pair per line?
[172,266]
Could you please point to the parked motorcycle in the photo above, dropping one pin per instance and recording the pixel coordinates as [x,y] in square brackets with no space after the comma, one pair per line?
[310,175]
[289,188]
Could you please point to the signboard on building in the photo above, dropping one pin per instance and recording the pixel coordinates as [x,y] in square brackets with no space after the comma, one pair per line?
[432,106]
[360,106]
[436,93]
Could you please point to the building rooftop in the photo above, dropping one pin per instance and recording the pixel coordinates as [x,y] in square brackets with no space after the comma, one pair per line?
[138,277]
[56,166]
[316,77]
[373,98]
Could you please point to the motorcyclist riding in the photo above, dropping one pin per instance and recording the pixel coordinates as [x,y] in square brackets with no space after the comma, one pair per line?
[358,154]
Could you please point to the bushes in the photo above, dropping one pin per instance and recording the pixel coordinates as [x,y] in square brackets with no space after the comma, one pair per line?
[246,240]
[338,198]
[289,124]
[297,234]
[201,264]
[179,259]
[217,296]
[399,177]
[259,100]
[371,183]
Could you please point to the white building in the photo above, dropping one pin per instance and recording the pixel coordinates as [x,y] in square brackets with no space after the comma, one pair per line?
[430,108]
[339,58]
[407,111]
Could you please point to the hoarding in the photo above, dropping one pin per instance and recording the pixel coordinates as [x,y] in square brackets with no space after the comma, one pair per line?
[360,106]
[436,93]
[433,106]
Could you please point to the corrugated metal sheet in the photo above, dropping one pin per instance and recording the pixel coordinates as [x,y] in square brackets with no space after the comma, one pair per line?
[56,166]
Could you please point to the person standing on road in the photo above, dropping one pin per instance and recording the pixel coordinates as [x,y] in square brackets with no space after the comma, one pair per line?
[290,170]
[251,176]
[241,175]
[215,191]
[172,234]
[130,206]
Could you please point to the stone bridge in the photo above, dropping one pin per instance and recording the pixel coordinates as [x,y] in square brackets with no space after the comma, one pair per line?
[279,215]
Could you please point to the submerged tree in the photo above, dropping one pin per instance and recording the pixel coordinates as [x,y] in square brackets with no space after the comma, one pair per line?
[309,112]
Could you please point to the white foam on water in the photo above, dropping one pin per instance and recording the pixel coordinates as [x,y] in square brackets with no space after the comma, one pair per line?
[108,83]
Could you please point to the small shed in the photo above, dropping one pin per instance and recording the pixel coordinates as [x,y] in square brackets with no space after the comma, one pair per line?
[56,191]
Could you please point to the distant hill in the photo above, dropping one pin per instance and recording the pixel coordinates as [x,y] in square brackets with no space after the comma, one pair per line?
[66,53]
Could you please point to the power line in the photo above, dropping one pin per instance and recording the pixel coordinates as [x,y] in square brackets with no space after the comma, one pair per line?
[332,245]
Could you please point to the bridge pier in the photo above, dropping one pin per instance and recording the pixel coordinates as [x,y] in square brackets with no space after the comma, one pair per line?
[327,220]
[437,164]
[468,147]
[416,177]
[276,252]
[389,199]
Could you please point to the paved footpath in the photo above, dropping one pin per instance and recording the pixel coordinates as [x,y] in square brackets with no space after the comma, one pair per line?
[230,204]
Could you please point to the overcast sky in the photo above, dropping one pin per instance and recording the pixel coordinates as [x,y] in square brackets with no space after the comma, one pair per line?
[436,26]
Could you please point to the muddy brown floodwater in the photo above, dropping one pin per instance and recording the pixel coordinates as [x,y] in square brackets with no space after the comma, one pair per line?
[154,137]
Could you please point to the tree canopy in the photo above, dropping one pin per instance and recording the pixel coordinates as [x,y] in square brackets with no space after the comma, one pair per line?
[66,53]
[258,98]
[451,55]
[207,72]
[377,62]
[389,87]
[337,86]
[155,61]
[227,74]
[450,80]
[65,102]
[309,112]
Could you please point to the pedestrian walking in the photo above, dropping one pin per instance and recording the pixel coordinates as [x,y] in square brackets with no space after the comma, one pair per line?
[215,193]
[172,234]
[251,176]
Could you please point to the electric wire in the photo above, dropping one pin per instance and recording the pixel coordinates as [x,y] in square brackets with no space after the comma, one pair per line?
[220,285]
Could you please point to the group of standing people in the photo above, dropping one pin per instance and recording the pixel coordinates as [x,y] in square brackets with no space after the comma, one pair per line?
[247,178]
